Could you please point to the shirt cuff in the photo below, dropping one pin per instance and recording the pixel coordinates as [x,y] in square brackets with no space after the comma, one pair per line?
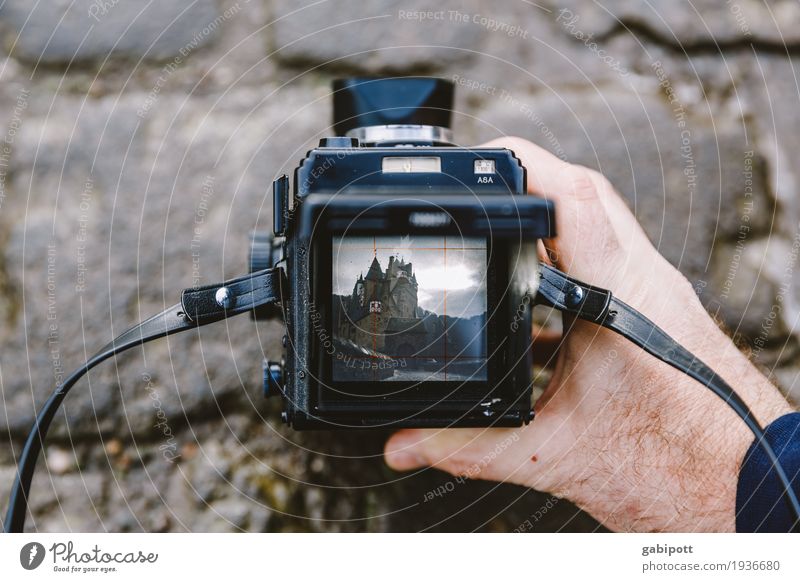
[760,506]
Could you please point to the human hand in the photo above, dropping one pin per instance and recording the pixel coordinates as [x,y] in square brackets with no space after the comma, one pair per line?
[632,441]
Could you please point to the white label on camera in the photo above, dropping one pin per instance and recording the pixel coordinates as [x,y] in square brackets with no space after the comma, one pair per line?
[411,165]
[484,166]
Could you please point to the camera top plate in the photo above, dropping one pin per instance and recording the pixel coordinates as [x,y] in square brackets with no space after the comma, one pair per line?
[330,170]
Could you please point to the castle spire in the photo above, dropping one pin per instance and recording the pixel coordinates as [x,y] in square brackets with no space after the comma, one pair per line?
[375,272]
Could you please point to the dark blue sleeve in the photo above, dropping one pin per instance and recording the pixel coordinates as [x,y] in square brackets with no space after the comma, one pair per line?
[759,501]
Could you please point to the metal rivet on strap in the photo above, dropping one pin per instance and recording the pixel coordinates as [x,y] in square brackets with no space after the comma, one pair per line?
[574,296]
[224,298]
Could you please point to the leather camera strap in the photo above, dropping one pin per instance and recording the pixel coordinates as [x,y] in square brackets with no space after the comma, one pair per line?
[199,306]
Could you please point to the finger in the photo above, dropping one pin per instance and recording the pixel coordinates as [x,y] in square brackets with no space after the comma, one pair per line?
[597,231]
[545,346]
[496,454]
[415,448]
[543,254]
[552,178]
[547,174]
[580,215]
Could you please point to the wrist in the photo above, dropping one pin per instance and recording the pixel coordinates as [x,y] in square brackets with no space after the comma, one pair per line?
[680,313]
[714,347]
[722,438]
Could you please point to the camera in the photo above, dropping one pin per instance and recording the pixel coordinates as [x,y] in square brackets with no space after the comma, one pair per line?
[409,263]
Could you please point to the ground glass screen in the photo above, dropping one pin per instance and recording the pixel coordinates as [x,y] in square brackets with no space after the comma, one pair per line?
[408,308]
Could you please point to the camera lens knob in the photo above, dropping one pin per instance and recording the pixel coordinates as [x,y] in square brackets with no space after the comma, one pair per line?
[273,378]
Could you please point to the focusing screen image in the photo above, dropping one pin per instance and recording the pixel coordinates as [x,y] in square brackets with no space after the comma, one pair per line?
[409,309]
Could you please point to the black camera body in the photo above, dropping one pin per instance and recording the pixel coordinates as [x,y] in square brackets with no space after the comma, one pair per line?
[410,264]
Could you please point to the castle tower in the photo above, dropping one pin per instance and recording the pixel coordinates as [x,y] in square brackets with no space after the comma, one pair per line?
[402,289]
[385,301]
[373,282]
[359,291]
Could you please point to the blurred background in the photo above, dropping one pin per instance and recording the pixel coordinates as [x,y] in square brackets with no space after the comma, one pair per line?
[138,142]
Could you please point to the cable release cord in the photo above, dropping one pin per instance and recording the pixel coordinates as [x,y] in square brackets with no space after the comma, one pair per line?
[215,302]
[601,307]
[199,306]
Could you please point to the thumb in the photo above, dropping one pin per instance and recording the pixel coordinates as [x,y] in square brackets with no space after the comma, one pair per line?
[414,448]
[498,453]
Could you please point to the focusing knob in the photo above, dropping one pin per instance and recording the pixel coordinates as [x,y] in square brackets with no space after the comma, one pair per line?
[261,251]
[273,378]
[359,102]
[266,251]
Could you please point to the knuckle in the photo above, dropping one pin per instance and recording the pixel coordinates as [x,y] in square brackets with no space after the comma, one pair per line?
[602,185]
[589,184]
[582,186]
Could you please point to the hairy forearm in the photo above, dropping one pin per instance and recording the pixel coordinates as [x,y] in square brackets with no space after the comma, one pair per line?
[703,441]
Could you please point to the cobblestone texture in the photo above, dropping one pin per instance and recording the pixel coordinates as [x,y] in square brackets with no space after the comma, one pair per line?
[137,153]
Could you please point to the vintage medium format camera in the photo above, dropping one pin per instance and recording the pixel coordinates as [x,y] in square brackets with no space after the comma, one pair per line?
[404,268]
[409,261]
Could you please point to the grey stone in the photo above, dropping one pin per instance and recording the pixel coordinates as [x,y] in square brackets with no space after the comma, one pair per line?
[703,22]
[234,514]
[753,264]
[68,502]
[540,57]
[65,31]
[136,502]
[382,36]
[60,461]
[748,284]
[770,96]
